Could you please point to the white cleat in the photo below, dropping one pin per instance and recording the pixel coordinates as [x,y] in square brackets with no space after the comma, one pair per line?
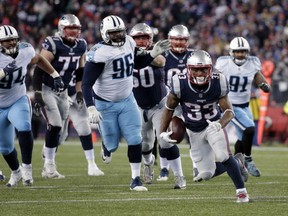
[105,155]
[242,196]
[136,185]
[27,177]
[164,175]
[93,170]
[49,171]
[15,178]
[180,182]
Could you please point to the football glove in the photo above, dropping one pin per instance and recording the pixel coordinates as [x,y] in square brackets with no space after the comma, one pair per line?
[94,115]
[160,47]
[265,87]
[9,69]
[38,102]
[166,137]
[58,85]
[79,98]
[213,127]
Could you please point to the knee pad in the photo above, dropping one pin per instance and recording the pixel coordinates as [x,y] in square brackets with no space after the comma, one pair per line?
[171,153]
[53,129]
[52,136]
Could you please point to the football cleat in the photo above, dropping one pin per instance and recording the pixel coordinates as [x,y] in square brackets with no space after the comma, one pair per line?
[242,196]
[243,170]
[180,182]
[14,178]
[148,171]
[49,171]
[93,170]
[2,177]
[136,185]
[27,178]
[164,174]
[105,154]
[252,169]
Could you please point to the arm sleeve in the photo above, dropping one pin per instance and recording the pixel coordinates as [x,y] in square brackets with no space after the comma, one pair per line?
[79,74]
[91,73]
[141,60]
[37,79]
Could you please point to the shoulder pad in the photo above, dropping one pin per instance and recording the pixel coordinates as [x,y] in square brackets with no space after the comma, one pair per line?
[221,61]
[23,45]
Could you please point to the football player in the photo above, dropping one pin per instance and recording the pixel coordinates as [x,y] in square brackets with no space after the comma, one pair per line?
[150,93]
[199,92]
[176,59]
[66,52]
[78,114]
[15,106]
[240,70]
[108,78]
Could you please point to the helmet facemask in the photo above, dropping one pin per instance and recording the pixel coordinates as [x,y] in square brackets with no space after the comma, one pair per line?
[199,75]
[116,38]
[179,44]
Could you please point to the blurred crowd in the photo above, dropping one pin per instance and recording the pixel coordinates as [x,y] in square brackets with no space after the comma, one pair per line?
[212,24]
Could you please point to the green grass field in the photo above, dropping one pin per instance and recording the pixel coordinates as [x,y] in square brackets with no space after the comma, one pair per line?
[79,194]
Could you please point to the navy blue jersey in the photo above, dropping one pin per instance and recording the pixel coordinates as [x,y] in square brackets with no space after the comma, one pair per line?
[199,103]
[175,64]
[148,86]
[66,60]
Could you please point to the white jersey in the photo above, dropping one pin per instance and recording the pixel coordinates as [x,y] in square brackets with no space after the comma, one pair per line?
[116,81]
[240,77]
[13,87]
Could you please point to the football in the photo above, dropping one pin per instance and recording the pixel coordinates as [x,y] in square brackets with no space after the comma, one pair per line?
[177,126]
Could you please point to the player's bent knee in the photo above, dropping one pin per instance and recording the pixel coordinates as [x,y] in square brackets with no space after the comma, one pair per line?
[134,140]
[221,156]
[23,126]
[7,150]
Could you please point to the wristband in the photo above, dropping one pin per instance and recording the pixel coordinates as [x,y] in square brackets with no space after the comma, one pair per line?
[55,74]
[169,108]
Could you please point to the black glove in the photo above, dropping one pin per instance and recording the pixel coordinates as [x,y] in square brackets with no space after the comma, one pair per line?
[58,85]
[79,98]
[265,87]
[38,102]
[10,68]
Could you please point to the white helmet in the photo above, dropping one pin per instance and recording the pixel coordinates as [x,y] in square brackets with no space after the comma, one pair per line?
[69,21]
[8,32]
[113,24]
[179,32]
[239,43]
[142,29]
[199,59]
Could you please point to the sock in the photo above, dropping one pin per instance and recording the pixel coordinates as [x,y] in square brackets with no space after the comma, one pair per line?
[233,171]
